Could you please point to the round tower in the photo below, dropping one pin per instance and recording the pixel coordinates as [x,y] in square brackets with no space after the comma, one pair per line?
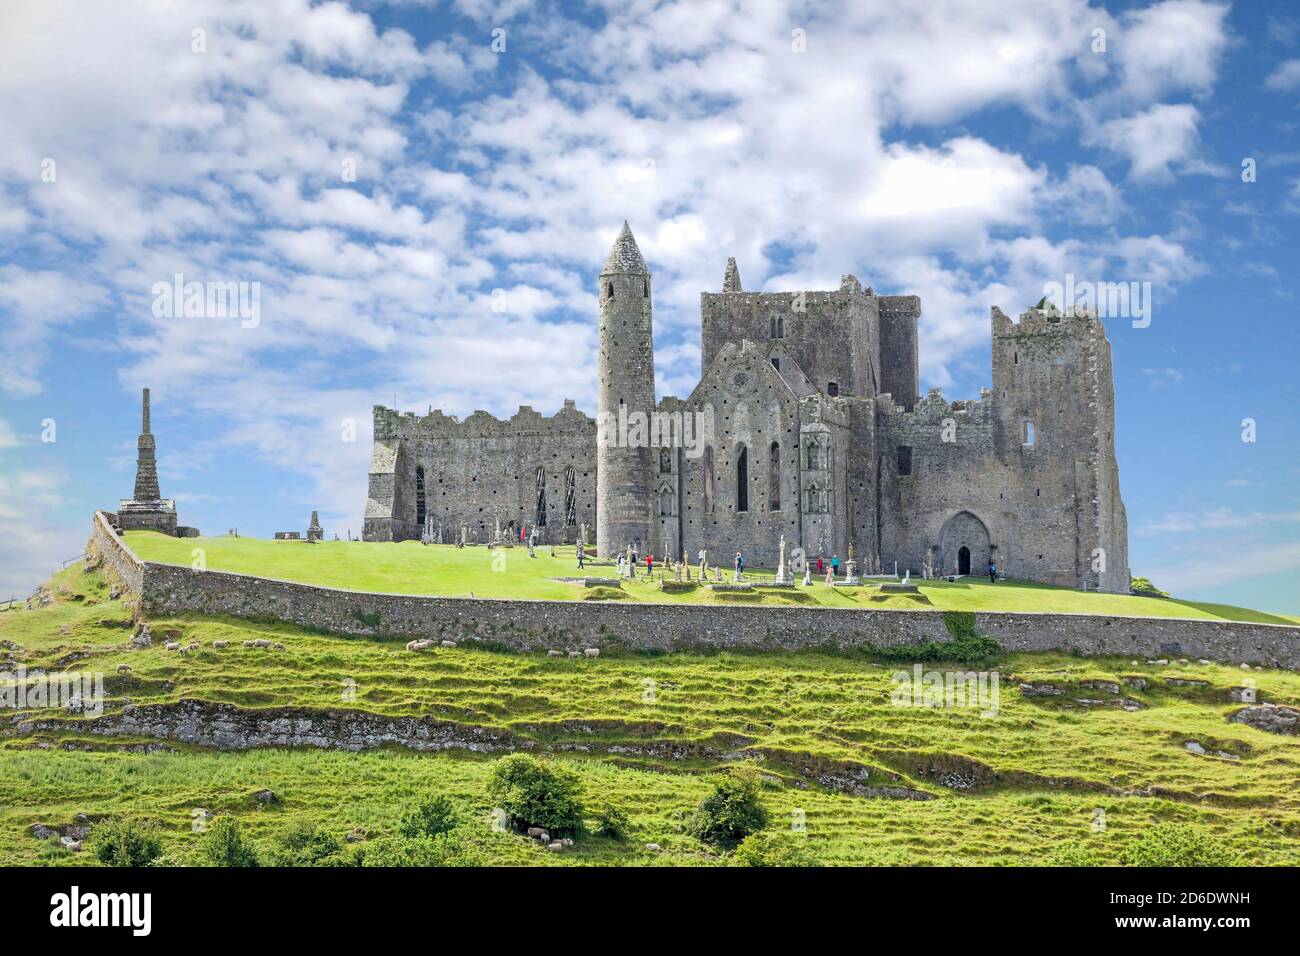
[625,382]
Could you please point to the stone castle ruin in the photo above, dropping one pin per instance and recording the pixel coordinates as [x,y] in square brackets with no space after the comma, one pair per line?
[806,423]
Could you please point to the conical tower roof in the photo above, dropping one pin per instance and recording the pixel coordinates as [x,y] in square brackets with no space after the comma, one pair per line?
[624,256]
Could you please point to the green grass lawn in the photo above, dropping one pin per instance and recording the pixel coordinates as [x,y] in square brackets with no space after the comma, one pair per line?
[412,568]
[1041,768]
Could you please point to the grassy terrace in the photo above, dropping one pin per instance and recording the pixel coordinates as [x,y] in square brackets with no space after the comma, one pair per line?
[1007,789]
[412,568]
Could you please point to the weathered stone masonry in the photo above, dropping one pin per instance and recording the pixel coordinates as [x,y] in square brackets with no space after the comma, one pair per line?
[535,625]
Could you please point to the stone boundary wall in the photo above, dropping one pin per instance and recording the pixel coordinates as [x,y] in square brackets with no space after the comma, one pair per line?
[119,557]
[167,589]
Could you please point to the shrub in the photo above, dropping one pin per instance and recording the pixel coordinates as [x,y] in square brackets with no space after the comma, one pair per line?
[534,793]
[429,817]
[611,822]
[1073,854]
[305,845]
[734,810]
[1169,844]
[125,843]
[960,650]
[223,845]
[445,849]
[773,848]
[1144,586]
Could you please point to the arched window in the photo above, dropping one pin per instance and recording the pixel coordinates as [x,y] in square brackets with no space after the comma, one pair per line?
[609,290]
[665,503]
[570,498]
[774,477]
[742,479]
[419,496]
[709,497]
[540,520]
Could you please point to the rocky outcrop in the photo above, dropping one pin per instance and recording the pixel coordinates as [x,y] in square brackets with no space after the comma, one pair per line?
[1270,717]
[226,727]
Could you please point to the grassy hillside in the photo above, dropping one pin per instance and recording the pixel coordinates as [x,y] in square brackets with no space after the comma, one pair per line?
[412,568]
[645,733]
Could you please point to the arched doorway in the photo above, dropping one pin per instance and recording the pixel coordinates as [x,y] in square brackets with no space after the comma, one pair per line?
[963,544]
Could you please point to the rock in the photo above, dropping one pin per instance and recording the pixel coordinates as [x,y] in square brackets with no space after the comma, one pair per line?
[652,847]
[1109,687]
[448,644]
[1040,690]
[43,832]
[1162,662]
[555,847]
[1184,682]
[220,643]
[266,796]
[357,835]
[1243,695]
[554,653]
[592,652]
[1139,683]
[124,668]
[142,637]
[1194,746]
[1269,717]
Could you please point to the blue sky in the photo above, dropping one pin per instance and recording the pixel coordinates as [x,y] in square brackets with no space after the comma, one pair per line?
[966,152]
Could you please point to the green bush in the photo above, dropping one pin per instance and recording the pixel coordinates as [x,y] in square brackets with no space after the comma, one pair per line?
[1144,586]
[430,817]
[223,845]
[125,843]
[1073,854]
[445,849]
[960,650]
[534,793]
[734,810]
[611,822]
[774,848]
[305,845]
[1169,844]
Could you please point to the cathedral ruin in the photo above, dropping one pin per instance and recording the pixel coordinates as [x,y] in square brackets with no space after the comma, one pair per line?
[806,423]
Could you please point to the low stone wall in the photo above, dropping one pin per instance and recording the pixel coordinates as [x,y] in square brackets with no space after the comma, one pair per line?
[534,625]
[117,555]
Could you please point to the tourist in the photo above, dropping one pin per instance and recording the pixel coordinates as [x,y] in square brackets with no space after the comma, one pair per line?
[821,566]
[993,571]
[582,555]
[650,564]
[835,564]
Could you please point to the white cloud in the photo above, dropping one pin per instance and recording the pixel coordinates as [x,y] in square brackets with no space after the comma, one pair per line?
[1153,140]
[1285,77]
[1171,47]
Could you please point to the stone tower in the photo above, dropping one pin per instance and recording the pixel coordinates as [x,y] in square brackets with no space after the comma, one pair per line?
[146,467]
[625,401]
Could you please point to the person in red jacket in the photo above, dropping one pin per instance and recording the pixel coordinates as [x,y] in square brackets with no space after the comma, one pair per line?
[649,564]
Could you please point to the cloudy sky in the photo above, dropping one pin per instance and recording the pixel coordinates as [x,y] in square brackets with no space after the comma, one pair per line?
[424,192]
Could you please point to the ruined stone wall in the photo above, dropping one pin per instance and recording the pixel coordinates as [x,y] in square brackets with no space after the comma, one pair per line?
[834,338]
[753,408]
[121,559]
[479,470]
[899,349]
[536,625]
